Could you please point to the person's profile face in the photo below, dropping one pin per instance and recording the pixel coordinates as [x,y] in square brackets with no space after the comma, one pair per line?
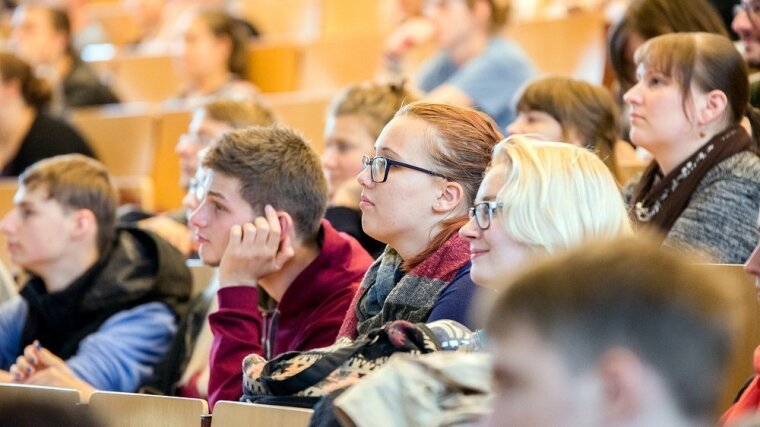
[537,123]
[347,139]
[495,254]
[222,207]
[534,387]
[395,210]
[746,24]
[32,37]
[37,229]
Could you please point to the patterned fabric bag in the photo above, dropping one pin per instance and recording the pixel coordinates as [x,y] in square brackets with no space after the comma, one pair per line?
[318,372]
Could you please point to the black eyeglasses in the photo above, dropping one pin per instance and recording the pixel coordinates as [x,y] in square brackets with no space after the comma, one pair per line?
[379,167]
[483,213]
[752,8]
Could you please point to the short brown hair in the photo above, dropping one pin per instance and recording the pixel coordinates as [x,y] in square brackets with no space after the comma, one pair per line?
[575,104]
[274,166]
[239,114]
[459,143]
[631,293]
[78,182]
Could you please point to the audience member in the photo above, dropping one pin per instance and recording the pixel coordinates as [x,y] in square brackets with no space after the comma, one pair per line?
[42,36]
[27,133]
[475,66]
[748,403]
[286,276]
[645,19]
[746,24]
[577,112]
[354,121]
[215,58]
[101,304]
[598,337]
[702,190]
[429,161]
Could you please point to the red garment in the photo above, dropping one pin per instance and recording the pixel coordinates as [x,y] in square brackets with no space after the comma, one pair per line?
[308,316]
[749,402]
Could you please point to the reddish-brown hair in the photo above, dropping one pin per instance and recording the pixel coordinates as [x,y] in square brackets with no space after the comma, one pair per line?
[460,144]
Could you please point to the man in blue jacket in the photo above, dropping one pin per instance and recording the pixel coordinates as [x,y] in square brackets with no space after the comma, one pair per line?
[100,306]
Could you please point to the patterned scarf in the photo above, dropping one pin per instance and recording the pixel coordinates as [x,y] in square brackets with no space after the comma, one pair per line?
[659,200]
[387,294]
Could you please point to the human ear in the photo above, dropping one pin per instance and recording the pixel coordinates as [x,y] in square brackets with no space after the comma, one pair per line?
[449,197]
[622,376]
[714,105]
[84,222]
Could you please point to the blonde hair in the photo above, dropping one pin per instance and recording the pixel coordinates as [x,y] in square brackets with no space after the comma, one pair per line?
[557,195]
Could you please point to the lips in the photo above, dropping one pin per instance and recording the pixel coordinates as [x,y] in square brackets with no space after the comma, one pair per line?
[474,253]
[200,239]
[634,116]
[365,202]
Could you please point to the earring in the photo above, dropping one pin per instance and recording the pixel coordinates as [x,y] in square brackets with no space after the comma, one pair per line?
[702,134]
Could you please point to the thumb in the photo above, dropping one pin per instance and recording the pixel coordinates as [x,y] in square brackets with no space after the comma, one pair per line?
[48,359]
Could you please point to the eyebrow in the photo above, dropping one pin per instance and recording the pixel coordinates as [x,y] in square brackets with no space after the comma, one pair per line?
[390,151]
[216,194]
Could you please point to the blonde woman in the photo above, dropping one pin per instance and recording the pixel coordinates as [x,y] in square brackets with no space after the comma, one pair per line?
[539,198]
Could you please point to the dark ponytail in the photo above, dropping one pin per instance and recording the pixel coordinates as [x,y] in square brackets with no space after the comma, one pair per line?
[36,92]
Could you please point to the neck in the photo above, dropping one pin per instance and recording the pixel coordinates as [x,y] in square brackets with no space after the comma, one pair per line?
[413,243]
[469,48]
[669,156]
[58,275]
[277,283]
[210,83]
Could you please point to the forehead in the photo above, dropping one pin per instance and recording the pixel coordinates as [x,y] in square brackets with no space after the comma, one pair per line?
[407,137]
[226,188]
[35,194]
[492,183]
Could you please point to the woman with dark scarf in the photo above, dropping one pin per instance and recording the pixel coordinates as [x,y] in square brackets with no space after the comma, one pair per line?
[702,190]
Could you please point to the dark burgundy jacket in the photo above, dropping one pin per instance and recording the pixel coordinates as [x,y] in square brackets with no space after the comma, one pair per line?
[308,316]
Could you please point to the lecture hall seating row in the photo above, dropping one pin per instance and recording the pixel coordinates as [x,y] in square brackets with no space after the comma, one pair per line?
[132,410]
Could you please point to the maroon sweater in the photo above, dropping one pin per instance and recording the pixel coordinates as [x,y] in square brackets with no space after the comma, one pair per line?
[308,316]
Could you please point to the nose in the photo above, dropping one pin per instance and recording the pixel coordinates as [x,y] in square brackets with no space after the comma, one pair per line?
[516,127]
[197,217]
[741,24]
[364,179]
[7,224]
[632,96]
[186,147]
[470,231]
[328,158]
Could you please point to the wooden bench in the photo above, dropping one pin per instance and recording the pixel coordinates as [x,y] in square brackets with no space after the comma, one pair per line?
[142,410]
[237,414]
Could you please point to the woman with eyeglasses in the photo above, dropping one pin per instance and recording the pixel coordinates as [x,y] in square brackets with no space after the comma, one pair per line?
[416,190]
[702,190]
[539,198]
